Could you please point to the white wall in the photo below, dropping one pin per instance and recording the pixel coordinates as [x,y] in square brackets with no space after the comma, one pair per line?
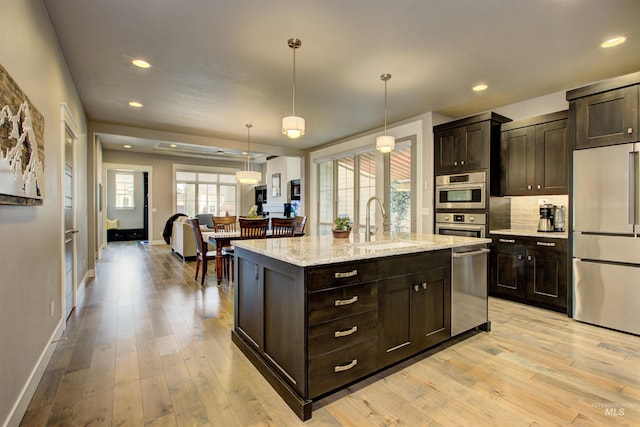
[289,168]
[31,261]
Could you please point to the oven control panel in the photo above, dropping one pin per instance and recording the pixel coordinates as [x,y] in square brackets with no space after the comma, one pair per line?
[461,218]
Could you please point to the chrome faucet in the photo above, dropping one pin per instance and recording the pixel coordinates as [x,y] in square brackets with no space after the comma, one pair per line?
[367,222]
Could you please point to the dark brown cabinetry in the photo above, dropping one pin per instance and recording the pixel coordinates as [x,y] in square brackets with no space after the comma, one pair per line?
[606,113]
[311,330]
[534,156]
[465,145]
[531,270]
[414,307]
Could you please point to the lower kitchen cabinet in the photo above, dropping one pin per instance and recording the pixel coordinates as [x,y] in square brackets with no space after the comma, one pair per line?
[529,270]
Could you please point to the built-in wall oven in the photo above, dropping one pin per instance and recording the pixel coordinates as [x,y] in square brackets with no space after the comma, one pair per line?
[461,224]
[461,191]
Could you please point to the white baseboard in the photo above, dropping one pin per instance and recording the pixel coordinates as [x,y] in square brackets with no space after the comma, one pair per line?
[22,403]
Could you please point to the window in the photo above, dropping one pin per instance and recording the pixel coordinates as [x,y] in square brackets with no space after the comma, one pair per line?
[124,190]
[205,192]
[345,185]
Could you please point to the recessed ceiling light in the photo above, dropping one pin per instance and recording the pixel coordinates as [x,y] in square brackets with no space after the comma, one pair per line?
[141,63]
[135,104]
[480,87]
[173,145]
[126,146]
[615,41]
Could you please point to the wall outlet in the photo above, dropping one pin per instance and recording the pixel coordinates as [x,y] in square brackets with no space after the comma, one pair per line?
[53,307]
[543,201]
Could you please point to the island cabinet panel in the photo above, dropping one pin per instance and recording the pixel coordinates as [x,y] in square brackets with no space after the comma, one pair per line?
[249,303]
[414,309]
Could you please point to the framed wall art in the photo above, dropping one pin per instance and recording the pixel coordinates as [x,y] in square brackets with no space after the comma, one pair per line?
[275,185]
[21,146]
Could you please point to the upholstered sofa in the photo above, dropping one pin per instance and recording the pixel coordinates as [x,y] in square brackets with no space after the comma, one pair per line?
[182,241]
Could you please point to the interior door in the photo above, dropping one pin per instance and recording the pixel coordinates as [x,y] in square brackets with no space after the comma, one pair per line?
[70,229]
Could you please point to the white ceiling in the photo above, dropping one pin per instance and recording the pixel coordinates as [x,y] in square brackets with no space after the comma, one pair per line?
[218,64]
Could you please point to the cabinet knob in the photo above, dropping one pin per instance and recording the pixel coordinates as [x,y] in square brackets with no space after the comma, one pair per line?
[519,257]
[529,187]
[461,162]
[455,163]
[630,131]
[529,258]
[416,288]
[424,285]
[539,186]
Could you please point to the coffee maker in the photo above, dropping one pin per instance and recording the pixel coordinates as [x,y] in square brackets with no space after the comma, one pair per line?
[546,217]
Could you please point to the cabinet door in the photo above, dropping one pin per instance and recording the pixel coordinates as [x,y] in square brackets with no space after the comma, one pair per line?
[547,275]
[508,276]
[414,313]
[473,146]
[431,308]
[446,151]
[607,118]
[551,158]
[517,157]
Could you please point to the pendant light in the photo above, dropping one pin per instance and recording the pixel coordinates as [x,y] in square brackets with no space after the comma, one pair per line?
[385,143]
[248,176]
[293,126]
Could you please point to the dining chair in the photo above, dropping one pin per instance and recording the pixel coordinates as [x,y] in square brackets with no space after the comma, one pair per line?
[301,221]
[253,228]
[282,227]
[203,255]
[226,223]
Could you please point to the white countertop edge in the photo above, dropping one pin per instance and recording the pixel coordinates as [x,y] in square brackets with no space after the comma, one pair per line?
[532,233]
[320,250]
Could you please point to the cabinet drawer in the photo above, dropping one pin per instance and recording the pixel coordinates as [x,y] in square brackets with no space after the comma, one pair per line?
[341,302]
[348,273]
[336,334]
[404,264]
[341,367]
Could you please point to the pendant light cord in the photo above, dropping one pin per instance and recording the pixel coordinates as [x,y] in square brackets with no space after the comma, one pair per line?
[294,80]
[385,78]
[248,125]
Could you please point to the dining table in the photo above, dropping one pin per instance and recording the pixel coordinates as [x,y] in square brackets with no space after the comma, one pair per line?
[222,239]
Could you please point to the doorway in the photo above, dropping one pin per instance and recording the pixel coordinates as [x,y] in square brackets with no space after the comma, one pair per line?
[69,142]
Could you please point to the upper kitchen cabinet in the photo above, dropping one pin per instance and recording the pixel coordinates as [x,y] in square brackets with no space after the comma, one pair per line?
[533,156]
[465,145]
[606,113]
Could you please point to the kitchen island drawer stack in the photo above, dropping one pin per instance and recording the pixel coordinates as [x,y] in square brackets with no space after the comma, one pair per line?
[342,313]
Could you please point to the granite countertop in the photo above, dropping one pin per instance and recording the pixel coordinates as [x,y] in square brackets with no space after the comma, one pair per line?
[318,250]
[532,233]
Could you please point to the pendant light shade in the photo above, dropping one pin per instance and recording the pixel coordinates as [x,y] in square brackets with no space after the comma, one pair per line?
[248,176]
[385,143]
[293,126]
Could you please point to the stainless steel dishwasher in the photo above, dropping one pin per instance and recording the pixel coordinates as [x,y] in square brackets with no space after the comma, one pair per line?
[469,289]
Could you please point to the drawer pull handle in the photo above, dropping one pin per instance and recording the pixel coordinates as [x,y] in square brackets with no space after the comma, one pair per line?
[351,300]
[506,240]
[346,274]
[545,244]
[345,333]
[342,368]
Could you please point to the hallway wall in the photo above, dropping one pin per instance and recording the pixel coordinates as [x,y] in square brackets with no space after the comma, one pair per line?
[31,236]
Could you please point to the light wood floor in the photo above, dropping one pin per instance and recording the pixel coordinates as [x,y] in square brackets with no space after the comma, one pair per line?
[148,346]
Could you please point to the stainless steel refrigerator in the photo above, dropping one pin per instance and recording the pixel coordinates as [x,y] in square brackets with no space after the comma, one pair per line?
[606,236]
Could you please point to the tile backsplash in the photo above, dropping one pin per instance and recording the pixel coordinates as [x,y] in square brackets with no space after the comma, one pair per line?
[525,210]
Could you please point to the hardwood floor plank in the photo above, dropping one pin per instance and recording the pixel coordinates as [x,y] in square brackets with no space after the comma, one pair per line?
[156,400]
[127,404]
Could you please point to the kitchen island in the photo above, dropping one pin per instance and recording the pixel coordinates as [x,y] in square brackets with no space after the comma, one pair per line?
[316,313]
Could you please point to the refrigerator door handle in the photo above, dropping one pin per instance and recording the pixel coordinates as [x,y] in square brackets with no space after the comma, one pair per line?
[634,197]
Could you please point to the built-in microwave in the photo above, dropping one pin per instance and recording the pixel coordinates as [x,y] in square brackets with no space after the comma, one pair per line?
[461,191]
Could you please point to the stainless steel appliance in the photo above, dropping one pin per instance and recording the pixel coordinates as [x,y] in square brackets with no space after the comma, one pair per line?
[606,252]
[461,224]
[461,191]
[469,289]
